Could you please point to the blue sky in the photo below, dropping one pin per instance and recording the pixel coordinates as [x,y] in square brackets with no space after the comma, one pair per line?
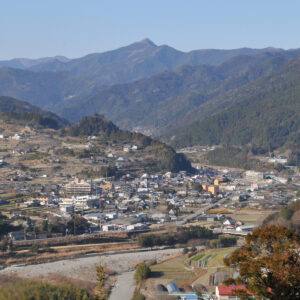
[39,28]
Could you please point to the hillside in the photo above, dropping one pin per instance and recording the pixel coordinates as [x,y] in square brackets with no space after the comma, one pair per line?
[152,155]
[288,216]
[44,89]
[157,156]
[172,98]
[265,113]
[16,111]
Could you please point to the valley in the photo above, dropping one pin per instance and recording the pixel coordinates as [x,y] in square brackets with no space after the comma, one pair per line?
[145,172]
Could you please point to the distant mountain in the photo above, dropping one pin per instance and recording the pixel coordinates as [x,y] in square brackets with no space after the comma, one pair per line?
[46,89]
[172,99]
[16,111]
[25,63]
[53,83]
[265,112]
[140,60]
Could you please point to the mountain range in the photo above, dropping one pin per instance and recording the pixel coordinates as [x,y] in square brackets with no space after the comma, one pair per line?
[265,112]
[53,83]
[25,63]
[181,98]
[173,98]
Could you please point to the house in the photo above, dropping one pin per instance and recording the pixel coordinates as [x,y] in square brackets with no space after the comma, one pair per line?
[231,292]
[138,226]
[126,148]
[109,227]
[3,163]
[245,228]
[67,208]
[18,136]
[16,235]
[229,224]
[43,200]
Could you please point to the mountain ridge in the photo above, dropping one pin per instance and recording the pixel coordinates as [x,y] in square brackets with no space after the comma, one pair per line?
[171,95]
[14,110]
[266,113]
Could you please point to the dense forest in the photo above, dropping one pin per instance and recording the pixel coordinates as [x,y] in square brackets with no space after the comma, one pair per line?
[16,111]
[265,113]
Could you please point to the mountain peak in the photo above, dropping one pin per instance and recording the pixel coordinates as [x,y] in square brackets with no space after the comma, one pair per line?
[148,42]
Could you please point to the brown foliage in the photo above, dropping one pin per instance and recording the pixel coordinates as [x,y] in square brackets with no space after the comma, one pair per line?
[269,263]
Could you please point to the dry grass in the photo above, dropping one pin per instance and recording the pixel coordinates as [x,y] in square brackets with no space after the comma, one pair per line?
[251,216]
[218,211]
[81,239]
[65,252]
[83,284]
[173,269]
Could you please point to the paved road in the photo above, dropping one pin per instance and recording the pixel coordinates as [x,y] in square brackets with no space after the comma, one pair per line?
[199,212]
[124,287]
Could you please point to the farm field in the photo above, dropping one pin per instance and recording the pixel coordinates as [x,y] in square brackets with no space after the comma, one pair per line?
[251,216]
[174,269]
[184,271]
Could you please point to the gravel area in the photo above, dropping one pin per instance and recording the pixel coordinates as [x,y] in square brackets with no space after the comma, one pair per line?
[84,268]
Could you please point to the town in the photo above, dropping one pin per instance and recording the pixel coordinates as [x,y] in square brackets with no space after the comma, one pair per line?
[66,191]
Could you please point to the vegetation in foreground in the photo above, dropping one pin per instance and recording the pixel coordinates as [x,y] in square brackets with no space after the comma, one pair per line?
[38,290]
[182,235]
[269,263]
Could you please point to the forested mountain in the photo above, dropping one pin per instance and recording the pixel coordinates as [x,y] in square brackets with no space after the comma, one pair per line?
[13,110]
[140,60]
[172,99]
[158,156]
[185,102]
[266,113]
[44,89]
[53,83]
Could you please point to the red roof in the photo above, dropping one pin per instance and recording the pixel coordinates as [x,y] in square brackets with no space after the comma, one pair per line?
[231,290]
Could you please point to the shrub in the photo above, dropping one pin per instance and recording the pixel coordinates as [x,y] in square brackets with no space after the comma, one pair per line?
[34,248]
[142,272]
[193,249]
[138,296]
[40,290]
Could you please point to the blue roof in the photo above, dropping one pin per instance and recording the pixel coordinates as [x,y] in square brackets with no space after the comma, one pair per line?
[173,287]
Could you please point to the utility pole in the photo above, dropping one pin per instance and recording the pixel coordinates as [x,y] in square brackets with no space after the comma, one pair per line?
[74,224]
